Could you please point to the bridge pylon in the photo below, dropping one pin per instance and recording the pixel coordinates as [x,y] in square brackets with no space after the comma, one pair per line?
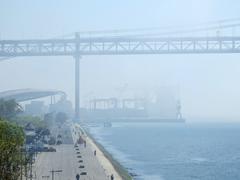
[77,58]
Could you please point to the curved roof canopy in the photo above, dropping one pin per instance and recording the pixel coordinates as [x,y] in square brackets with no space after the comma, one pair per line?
[21,95]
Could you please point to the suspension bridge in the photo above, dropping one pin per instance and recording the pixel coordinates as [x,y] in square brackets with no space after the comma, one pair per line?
[209,38]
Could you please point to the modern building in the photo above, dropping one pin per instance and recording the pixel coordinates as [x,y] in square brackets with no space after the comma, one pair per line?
[35,108]
[63,105]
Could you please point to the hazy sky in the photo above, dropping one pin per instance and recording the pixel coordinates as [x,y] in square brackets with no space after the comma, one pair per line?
[209,84]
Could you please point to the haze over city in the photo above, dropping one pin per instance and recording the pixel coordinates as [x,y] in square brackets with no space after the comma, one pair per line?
[119,90]
[208,83]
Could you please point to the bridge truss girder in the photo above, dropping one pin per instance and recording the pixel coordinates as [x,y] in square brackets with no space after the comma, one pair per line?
[119,46]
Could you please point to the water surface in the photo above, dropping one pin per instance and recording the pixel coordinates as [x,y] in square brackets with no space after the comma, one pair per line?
[158,151]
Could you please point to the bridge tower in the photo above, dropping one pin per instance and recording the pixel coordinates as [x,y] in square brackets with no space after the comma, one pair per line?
[77,57]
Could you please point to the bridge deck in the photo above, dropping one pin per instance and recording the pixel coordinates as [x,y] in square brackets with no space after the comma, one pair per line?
[119,46]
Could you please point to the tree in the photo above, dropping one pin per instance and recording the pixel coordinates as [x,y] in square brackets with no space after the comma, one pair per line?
[36,121]
[9,108]
[11,141]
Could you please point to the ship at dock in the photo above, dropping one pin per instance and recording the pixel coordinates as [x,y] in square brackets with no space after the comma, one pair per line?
[160,109]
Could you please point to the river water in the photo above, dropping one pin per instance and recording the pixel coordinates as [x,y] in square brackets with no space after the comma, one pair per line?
[158,151]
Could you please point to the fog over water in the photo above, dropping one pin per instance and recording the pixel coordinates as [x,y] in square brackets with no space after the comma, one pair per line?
[208,84]
[185,151]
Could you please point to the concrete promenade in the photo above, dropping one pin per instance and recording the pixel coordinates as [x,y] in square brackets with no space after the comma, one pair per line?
[66,159]
[72,160]
[100,157]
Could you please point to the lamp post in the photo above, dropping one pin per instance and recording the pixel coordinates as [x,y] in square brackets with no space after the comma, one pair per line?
[54,171]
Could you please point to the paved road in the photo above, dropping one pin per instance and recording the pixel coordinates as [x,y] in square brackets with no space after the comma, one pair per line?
[66,159]
[63,130]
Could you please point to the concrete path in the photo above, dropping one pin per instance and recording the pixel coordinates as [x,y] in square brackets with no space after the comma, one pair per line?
[91,147]
[67,160]
[72,160]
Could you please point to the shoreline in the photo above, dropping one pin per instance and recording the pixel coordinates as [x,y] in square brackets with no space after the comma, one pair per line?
[120,169]
[110,164]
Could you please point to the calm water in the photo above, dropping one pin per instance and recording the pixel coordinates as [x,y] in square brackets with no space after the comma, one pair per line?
[175,151]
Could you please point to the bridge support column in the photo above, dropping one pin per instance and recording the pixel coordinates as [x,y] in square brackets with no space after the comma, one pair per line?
[77,87]
[77,78]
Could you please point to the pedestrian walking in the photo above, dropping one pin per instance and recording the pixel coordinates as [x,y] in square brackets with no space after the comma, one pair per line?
[77,177]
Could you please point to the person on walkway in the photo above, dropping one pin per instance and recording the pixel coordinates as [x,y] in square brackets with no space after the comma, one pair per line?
[95,153]
[77,177]
[112,177]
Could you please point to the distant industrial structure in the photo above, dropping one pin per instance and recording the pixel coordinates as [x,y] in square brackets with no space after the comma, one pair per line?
[161,108]
[132,110]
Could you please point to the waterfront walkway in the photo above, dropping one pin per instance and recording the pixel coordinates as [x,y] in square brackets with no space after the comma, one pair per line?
[72,160]
[67,160]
